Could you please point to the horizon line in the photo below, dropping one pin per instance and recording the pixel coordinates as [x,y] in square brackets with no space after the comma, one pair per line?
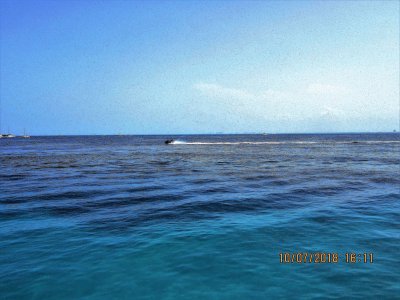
[218,133]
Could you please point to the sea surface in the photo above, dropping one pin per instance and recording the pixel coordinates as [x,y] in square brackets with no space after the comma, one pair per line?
[128,217]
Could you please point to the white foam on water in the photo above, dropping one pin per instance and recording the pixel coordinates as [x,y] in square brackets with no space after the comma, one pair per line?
[281,143]
[222,143]
[177,142]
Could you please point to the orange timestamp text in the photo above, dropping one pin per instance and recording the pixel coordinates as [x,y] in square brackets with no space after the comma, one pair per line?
[325,257]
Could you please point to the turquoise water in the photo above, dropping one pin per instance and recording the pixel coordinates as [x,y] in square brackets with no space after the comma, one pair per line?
[127,217]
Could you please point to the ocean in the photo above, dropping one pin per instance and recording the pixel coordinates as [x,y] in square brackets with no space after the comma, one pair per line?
[300,216]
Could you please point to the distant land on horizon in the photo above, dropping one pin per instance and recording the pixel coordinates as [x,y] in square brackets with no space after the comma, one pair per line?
[219,133]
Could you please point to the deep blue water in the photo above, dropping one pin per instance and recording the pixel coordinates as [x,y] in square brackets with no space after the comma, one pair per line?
[127,217]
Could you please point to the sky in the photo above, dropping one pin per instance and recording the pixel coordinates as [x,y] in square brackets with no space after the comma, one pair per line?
[187,67]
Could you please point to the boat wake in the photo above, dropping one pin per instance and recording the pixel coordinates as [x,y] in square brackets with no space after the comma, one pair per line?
[178,142]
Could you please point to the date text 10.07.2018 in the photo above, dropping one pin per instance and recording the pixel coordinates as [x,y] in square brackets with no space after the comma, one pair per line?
[325,257]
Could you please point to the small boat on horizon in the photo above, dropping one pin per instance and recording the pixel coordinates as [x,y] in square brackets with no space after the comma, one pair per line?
[25,135]
[7,135]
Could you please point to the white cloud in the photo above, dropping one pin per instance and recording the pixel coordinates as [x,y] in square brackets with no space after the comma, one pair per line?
[273,94]
[325,89]
[330,112]
[219,91]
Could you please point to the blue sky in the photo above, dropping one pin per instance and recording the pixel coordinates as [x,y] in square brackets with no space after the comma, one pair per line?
[151,67]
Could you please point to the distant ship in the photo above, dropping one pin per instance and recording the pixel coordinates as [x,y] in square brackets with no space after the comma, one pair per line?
[25,135]
[6,135]
[9,135]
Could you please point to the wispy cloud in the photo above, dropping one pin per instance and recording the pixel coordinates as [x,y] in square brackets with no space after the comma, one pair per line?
[329,112]
[325,89]
[273,94]
[219,91]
